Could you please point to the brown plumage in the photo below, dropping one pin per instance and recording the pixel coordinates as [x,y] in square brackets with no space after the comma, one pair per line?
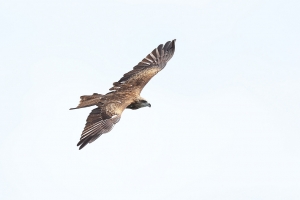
[124,94]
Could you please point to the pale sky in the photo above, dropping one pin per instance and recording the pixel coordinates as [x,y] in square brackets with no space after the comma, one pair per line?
[224,122]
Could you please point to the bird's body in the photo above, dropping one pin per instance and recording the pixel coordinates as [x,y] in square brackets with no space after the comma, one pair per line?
[124,94]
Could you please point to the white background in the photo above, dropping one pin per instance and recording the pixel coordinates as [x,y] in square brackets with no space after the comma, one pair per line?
[224,122]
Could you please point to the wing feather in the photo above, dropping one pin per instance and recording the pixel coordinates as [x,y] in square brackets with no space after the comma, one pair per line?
[98,122]
[141,74]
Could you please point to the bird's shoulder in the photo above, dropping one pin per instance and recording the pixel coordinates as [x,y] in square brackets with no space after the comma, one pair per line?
[115,102]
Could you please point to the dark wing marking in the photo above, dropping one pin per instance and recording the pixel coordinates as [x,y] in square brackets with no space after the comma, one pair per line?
[141,74]
[97,123]
[88,100]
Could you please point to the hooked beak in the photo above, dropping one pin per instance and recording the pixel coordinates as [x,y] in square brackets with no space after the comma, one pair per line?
[149,105]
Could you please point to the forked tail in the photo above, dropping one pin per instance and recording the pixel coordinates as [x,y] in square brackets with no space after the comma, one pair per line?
[88,100]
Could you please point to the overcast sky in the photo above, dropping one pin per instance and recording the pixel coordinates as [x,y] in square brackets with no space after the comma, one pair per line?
[225,117]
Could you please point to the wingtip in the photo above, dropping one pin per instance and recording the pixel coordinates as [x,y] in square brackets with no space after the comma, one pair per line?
[80,142]
[83,144]
[173,43]
[80,145]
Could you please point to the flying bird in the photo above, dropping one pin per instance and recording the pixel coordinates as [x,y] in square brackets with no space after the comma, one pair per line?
[124,94]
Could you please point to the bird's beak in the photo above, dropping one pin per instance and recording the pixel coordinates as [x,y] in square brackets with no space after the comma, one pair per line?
[149,105]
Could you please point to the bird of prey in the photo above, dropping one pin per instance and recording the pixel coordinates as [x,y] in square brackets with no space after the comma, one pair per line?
[124,94]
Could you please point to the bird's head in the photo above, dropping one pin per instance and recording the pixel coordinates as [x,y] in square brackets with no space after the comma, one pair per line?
[144,103]
[139,104]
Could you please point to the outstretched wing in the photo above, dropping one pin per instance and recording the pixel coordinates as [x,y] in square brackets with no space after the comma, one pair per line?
[141,74]
[101,120]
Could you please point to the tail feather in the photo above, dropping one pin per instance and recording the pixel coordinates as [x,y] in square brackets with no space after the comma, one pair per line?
[88,100]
